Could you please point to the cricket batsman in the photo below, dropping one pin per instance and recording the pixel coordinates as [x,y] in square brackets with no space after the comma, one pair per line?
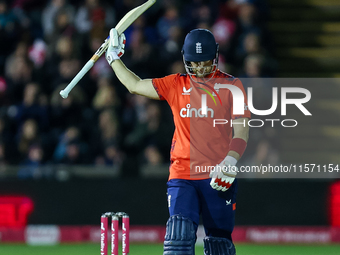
[203,153]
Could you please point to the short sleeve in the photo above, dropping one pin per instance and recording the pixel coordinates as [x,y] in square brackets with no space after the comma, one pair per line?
[247,113]
[164,86]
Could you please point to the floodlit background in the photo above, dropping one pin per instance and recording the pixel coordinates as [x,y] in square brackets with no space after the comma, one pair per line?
[63,162]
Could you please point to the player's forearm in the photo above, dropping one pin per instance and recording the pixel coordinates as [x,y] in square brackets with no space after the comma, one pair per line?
[234,153]
[240,132]
[243,134]
[125,76]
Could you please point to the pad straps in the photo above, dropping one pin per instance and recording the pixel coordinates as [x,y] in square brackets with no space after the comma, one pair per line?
[180,236]
[218,246]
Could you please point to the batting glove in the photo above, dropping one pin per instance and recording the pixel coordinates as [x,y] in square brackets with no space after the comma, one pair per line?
[116,46]
[223,175]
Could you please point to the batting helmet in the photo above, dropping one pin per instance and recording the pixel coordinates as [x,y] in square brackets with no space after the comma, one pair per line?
[199,45]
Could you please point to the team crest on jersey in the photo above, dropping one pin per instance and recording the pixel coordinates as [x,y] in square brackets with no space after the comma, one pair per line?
[186,91]
[198,47]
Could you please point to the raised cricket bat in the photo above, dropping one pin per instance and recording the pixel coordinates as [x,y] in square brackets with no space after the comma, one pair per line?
[122,25]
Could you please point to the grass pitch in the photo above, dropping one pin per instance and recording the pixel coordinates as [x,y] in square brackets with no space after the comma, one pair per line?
[157,249]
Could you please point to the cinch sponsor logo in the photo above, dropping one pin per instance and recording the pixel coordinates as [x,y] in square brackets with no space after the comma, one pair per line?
[189,112]
[204,111]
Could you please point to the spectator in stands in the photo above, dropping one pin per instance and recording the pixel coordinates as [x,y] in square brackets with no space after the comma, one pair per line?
[8,35]
[73,154]
[50,15]
[224,30]
[197,12]
[228,9]
[62,49]
[253,66]
[106,96]
[140,54]
[152,164]
[33,107]
[110,157]
[27,136]
[204,15]
[67,69]
[67,112]
[93,20]
[31,165]
[92,12]
[21,50]
[152,156]
[146,127]
[134,114]
[71,134]
[168,20]
[171,48]
[7,17]
[150,32]
[105,133]
[37,53]
[246,23]
[247,17]
[19,71]
[65,48]
[108,125]
[63,26]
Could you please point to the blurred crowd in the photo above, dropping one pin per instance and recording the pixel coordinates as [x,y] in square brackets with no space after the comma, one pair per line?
[43,45]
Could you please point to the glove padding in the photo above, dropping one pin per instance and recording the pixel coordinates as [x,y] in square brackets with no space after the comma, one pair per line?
[116,46]
[223,175]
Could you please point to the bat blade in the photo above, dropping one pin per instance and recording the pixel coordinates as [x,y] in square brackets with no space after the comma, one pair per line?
[123,24]
[132,15]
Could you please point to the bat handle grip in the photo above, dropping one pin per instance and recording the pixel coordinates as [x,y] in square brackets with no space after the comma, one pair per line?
[64,93]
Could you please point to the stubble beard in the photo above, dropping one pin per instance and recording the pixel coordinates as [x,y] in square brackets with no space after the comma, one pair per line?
[201,72]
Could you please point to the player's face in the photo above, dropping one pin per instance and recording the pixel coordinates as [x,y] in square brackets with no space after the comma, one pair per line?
[203,68]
